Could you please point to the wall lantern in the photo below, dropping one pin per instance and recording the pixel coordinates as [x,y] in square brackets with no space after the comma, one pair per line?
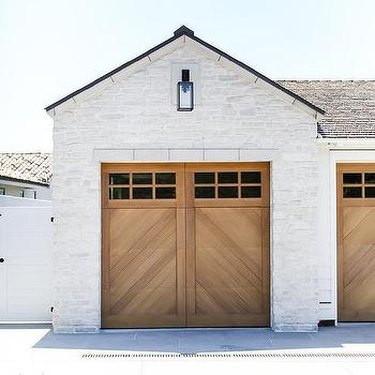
[185,100]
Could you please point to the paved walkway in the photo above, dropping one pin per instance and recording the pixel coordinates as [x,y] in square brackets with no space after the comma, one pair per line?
[346,349]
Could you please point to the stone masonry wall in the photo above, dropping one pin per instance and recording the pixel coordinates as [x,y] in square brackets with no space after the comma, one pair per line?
[234,114]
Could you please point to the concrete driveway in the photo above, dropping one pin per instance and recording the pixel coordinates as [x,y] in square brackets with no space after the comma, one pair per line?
[346,349]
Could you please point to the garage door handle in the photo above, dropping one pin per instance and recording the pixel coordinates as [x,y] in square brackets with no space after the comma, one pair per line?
[1,260]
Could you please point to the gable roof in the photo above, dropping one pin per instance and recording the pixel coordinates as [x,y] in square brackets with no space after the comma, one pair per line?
[35,168]
[184,31]
[349,105]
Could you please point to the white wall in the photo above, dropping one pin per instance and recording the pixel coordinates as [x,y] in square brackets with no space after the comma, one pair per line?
[135,119]
[8,201]
[13,188]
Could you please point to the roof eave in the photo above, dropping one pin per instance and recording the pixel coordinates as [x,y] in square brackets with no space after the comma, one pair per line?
[23,181]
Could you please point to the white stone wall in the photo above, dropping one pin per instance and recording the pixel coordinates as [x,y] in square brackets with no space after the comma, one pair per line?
[135,119]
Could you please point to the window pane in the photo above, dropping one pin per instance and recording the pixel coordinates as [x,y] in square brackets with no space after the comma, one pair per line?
[251,191]
[369,178]
[118,193]
[352,178]
[250,177]
[142,193]
[204,178]
[142,178]
[119,179]
[228,177]
[165,193]
[352,192]
[369,192]
[165,178]
[204,192]
[228,192]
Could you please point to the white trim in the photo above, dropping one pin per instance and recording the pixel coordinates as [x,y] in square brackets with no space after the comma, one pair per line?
[335,157]
[184,155]
[348,143]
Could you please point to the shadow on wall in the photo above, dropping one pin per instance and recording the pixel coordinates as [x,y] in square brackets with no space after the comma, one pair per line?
[213,340]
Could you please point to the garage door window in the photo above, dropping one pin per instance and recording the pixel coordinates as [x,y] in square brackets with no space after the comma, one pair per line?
[142,185]
[358,185]
[211,185]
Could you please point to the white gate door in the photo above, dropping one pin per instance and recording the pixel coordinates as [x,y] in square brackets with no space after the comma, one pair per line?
[25,264]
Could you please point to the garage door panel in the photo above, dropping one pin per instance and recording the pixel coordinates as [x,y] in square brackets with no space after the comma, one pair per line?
[138,231]
[356,246]
[225,269]
[231,265]
[230,300]
[142,264]
[159,275]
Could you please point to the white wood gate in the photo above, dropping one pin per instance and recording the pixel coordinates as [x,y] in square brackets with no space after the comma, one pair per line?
[25,264]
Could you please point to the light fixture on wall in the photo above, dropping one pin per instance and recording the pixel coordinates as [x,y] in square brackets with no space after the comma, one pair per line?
[185,100]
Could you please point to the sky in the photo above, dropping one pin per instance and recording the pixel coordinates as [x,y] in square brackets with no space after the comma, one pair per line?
[49,48]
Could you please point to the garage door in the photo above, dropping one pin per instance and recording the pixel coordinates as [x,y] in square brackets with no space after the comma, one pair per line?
[356,241]
[185,245]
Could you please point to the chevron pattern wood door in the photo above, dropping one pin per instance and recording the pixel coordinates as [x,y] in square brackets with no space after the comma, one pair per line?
[185,261]
[231,268]
[228,251]
[143,257]
[356,243]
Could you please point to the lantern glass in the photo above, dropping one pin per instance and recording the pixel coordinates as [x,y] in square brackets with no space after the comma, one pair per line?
[185,96]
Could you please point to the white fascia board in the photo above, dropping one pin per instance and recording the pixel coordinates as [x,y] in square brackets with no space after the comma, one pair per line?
[347,143]
[18,184]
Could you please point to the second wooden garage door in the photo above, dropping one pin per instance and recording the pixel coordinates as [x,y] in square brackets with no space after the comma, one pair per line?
[356,241]
[185,245]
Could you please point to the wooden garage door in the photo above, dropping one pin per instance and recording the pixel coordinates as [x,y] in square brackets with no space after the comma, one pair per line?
[185,245]
[356,241]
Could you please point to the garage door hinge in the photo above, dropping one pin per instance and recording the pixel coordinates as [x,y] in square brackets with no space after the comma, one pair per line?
[52,219]
[52,308]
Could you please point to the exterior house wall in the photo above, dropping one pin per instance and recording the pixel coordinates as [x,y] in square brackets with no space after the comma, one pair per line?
[13,188]
[135,120]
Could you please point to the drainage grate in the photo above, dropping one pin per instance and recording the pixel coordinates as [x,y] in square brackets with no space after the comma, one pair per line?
[353,355]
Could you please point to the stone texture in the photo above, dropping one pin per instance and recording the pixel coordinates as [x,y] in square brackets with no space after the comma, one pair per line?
[137,113]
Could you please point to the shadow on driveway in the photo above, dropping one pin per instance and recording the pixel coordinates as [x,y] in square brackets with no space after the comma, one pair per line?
[214,340]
